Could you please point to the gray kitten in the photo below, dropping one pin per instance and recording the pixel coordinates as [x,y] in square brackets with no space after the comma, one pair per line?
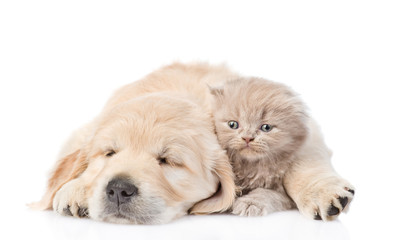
[263,126]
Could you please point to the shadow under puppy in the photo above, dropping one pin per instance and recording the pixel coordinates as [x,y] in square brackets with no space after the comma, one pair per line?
[279,158]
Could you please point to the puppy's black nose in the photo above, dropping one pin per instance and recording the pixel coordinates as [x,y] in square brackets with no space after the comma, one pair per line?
[120,190]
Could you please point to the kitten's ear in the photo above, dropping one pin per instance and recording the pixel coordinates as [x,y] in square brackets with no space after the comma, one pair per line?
[216,91]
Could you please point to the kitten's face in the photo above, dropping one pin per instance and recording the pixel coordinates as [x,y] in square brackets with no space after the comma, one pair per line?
[257,119]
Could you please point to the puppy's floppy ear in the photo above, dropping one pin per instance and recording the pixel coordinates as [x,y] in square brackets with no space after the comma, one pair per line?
[224,197]
[66,169]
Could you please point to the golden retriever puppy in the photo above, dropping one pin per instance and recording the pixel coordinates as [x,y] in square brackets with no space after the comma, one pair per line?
[150,156]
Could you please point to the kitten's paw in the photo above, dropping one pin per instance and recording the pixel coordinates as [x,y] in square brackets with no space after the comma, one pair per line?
[245,206]
[70,200]
[326,199]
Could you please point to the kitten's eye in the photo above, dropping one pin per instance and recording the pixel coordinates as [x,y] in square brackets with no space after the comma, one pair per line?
[233,124]
[266,127]
[110,153]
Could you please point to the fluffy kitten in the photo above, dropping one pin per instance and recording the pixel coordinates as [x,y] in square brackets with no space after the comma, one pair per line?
[261,124]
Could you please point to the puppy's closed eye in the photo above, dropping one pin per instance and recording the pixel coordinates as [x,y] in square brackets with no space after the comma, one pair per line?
[110,153]
[169,161]
[162,160]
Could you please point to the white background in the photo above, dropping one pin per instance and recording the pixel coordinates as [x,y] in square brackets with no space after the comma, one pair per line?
[61,60]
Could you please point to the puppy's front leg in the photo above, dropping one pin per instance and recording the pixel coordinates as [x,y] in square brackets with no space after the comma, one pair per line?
[260,202]
[71,199]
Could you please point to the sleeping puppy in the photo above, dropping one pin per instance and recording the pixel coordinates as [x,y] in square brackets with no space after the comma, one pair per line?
[150,156]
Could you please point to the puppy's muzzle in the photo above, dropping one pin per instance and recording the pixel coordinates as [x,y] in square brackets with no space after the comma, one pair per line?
[120,191]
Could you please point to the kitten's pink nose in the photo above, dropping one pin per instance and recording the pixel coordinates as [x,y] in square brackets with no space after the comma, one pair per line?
[248,139]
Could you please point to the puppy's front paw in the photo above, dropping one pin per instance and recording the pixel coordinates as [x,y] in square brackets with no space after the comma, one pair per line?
[245,206]
[70,200]
[326,199]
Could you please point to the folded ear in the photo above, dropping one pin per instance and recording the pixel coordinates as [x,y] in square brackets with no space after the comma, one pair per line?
[66,169]
[224,197]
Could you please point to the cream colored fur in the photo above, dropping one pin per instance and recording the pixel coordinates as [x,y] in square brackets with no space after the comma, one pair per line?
[169,114]
[165,115]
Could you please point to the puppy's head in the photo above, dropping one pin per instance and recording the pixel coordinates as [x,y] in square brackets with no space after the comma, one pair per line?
[152,159]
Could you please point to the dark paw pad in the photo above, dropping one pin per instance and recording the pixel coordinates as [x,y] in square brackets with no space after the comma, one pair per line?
[333,211]
[83,212]
[67,211]
[343,201]
[317,216]
[351,191]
